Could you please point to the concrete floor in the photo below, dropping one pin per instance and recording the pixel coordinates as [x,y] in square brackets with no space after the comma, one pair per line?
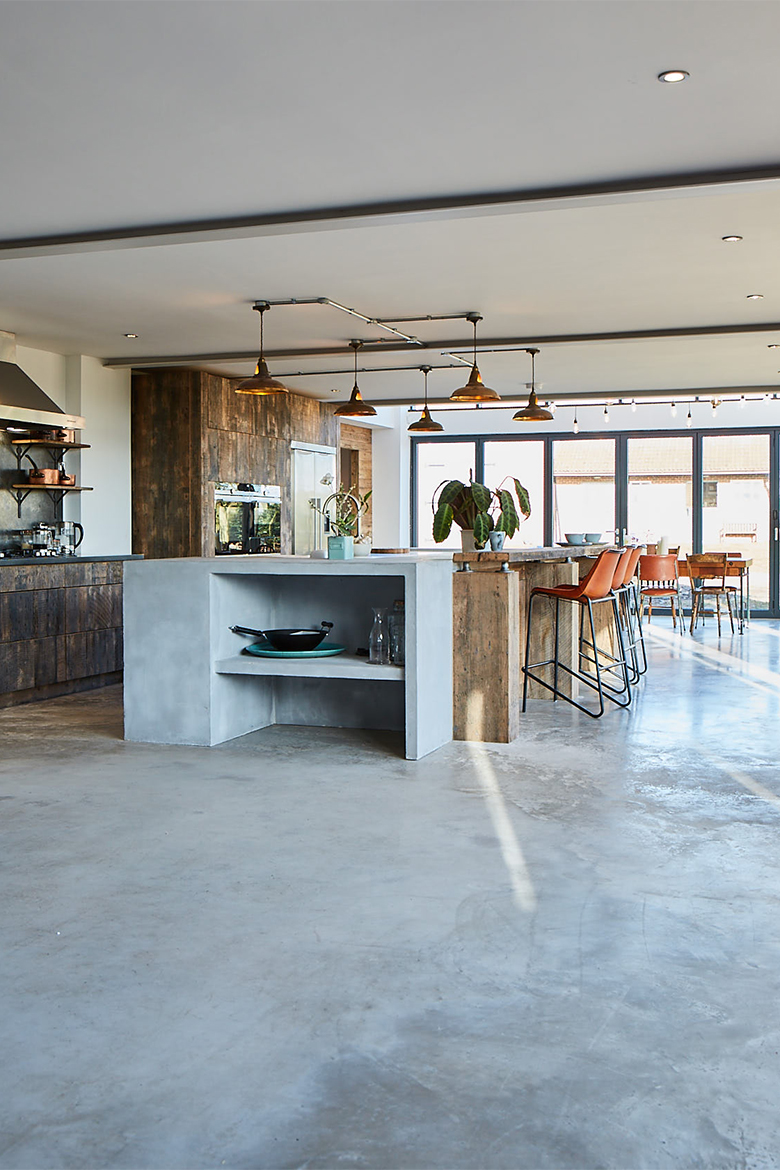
[300,950]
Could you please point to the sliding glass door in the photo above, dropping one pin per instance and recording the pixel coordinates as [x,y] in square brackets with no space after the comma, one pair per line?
[583,487]
[522,459]
[736,504]
[660,490]
[437,463]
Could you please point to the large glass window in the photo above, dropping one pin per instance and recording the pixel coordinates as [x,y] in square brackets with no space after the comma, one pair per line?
[437,463]
[584,487]
[523,460]
[660,490]
[735,504]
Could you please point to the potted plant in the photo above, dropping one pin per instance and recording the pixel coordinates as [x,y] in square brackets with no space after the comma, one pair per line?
[478,510]
[343,511]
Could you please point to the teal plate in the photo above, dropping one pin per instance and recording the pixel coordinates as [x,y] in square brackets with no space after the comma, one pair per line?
[266,650]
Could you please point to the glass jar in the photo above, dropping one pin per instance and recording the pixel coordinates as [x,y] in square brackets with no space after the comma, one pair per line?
[379,640]
[396,622]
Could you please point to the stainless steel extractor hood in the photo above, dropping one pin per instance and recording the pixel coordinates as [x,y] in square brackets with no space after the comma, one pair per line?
[22,400]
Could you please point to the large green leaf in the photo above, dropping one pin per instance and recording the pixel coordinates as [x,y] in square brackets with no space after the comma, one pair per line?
[442,522]
[482,496]
[522,498]
[482,526]
[451,491]
[510,521]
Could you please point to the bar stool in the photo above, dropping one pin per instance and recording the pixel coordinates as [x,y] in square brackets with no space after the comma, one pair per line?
[594,589]
[608,662]
[629,602]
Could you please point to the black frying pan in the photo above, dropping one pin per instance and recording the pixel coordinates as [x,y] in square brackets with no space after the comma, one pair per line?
[289,639]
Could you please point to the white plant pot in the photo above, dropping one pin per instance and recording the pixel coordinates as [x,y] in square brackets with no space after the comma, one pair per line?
[362,548]
[467,540]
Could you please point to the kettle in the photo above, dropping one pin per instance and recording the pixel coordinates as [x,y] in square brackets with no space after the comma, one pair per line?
[68,535]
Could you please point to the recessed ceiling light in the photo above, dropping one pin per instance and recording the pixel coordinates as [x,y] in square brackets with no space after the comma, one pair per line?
[755,296]
[731,239]
[670,76]
[131,335]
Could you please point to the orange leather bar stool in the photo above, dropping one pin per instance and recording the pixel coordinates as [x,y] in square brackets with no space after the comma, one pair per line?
[658,578]
[598,656]
[630,600]
[594,589]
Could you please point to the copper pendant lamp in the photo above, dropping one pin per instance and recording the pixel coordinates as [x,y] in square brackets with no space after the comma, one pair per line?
[474,390]
[425,423]
[261,381]
[356,407]
[533,412]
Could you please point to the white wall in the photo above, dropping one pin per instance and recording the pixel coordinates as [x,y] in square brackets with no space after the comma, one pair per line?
[81,385]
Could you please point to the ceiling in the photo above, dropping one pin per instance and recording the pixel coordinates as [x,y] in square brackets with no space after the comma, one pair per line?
[124,118]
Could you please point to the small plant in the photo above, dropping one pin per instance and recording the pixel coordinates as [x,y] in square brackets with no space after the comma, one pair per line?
[480,509]
[348,506]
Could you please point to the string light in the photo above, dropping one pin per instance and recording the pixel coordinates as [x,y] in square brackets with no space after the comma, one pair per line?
[633,406]
[576,425]
[674,410]
[606,413]
[689,419]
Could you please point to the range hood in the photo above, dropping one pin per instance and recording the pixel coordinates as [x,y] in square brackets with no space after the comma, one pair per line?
[21,400]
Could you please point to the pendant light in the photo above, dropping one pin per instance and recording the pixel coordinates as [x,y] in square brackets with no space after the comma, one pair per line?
[533,412]
[261,381]
[425,422]
[474,390]
[356,407]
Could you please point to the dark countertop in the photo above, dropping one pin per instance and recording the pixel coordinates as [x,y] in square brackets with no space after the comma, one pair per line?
[75,560]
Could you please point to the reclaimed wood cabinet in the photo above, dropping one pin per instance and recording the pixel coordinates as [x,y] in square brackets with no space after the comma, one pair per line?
[60,628]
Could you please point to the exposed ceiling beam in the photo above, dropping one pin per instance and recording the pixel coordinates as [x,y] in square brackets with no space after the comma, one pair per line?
[485,344]
[355,214]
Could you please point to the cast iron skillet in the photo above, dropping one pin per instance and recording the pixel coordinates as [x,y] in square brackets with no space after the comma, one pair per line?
[289,639]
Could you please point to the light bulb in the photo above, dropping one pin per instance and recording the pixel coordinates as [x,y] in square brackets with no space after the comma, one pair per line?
[715,404]
[742,401]
[606,414]
[576,426]
[633,406]
[689,419]
[552,407]
[674,410]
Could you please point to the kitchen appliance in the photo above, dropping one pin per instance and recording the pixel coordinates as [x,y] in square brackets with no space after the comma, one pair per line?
[38,540]
[289,640]
[248,518]
[68,535]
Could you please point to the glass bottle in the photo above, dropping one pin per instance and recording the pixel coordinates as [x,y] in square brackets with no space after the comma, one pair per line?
[379,639]
[396,622]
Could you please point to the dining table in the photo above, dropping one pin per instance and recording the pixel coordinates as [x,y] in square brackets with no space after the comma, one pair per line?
[735,567]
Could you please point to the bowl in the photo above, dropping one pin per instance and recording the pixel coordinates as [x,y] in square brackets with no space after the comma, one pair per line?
[295,639]
[575,537]
[593,537]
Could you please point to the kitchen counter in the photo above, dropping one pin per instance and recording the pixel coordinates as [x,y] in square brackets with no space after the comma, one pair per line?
[60,625]
[75,560]
[186,680]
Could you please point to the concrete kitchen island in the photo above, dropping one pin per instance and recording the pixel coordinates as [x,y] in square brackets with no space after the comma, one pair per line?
[186,681]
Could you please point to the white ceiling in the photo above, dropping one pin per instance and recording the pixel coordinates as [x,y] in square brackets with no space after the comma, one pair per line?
[131,114]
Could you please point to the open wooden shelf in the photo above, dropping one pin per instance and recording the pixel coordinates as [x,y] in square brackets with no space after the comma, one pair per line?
[49,487]
[52,443]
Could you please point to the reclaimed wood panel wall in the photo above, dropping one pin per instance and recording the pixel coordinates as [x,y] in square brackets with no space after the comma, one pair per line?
[60,629]
[355,448]
[213,435]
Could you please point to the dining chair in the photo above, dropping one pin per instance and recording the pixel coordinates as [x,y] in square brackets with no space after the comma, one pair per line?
[709,570]
[658,579]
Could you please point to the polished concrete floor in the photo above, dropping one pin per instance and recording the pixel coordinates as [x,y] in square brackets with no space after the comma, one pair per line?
[300,950]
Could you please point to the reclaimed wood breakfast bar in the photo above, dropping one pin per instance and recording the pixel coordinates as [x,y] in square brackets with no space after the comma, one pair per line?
[491,591]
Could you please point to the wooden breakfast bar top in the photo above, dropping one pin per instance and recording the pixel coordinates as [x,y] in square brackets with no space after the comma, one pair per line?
[487,560]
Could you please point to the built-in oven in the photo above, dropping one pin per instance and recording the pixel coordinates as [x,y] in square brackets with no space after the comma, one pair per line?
[248,518]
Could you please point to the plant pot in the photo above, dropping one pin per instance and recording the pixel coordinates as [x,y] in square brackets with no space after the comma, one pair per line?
[341,548]
[467,540]
[497,541]
[362,548]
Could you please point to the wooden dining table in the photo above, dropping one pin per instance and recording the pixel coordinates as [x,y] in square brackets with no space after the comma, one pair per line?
[735,567]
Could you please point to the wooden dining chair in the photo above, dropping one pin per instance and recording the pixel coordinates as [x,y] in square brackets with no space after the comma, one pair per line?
[707,573]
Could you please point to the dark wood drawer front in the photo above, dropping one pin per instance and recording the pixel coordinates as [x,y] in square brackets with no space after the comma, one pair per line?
[59,624]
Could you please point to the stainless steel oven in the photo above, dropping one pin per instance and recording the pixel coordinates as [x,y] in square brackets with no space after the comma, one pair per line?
[248,518]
